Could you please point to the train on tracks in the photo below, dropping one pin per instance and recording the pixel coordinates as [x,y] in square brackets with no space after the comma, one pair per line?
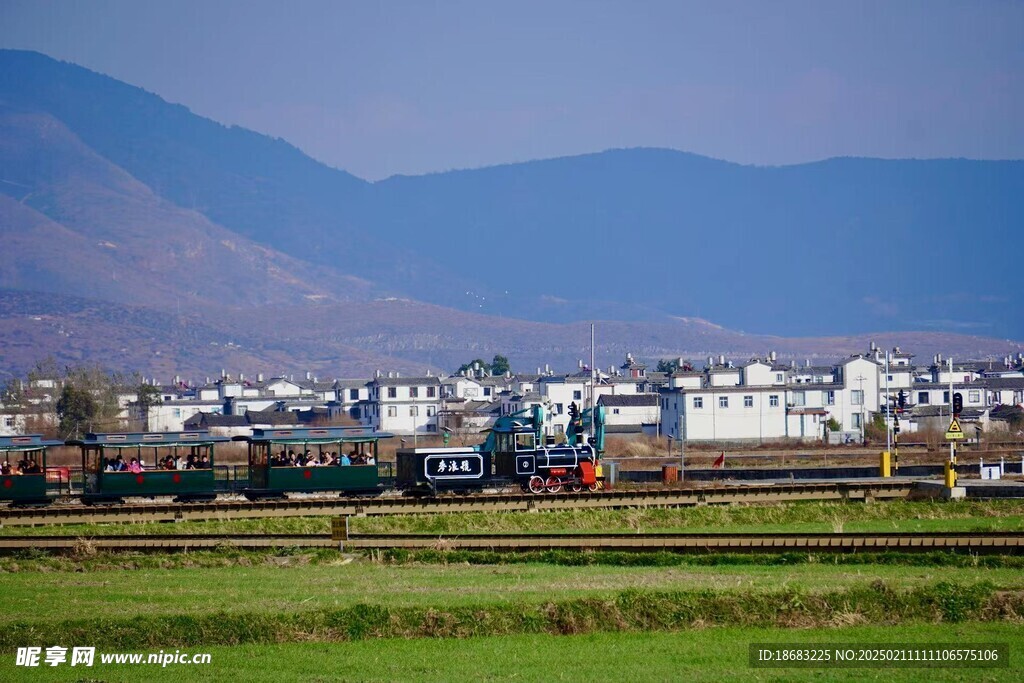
[181,465]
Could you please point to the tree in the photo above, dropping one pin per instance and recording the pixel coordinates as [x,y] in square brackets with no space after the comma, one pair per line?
[88,400]
[147,396]
[499,366]
[668,366]
[77,410]
[468,367]
[671,365]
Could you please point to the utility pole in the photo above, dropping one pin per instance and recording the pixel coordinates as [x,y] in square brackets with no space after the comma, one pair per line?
[860,379]
[888,408]
[593,382]
[682,437]
[951,471]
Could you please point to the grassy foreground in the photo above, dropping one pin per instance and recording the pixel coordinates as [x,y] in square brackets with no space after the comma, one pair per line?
[628,610]
[709,654]
[54,588]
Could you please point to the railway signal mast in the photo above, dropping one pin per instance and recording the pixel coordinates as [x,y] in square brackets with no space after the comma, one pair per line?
[954,433]
[893,407]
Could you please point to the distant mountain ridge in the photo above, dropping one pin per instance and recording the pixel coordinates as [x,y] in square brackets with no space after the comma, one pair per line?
[111,194]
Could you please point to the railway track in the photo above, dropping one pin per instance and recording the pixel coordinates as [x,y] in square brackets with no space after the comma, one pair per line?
[303,507]
[981,543]
[986,542]
[179,542]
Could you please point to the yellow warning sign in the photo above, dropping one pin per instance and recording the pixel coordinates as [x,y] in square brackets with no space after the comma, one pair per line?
[955,433]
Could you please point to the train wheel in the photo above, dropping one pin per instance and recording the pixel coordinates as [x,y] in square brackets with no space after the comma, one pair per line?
[554,484]
[576,487]
[536,484]
[594,487]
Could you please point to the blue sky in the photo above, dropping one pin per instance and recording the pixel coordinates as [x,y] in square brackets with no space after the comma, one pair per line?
[380,88]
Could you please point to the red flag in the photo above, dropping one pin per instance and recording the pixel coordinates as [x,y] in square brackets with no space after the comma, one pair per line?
[719,461]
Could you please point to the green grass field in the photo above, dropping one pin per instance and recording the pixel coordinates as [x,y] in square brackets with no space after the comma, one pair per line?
[319,615]
[288,584]
[710,654]
[1000,515]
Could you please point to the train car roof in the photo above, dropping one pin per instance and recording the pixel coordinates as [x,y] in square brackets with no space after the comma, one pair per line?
[26,442]
[303,435]
[154,439]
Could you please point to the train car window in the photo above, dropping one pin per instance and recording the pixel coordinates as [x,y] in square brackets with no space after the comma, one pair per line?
[524,442]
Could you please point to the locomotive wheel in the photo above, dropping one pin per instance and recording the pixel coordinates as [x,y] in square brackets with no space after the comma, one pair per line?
[554,484]
[576,487]
[536,484]
[594,487]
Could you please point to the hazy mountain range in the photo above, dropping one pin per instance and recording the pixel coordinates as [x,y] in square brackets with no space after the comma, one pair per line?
[142,236]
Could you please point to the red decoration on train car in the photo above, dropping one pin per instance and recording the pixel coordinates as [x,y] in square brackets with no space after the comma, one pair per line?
[176,478]
[308,474]
[138,479]
[8,483]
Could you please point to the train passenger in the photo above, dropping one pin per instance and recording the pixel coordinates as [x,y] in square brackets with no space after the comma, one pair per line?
[5,469]
[345,460]
[168,463]
[204,464]
[370,460]
[135,467]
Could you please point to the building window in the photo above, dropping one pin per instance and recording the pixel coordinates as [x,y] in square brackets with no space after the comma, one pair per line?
[9,421]
[748,401]
[799,398]
[820,379]
[778,378]
[353,394]
[974,396]
[431,428]
[698,401]
[430,411]
[414,411]
[922,398]
[177,413]
[558,409]
[723,401]
[615,411]
[857,397]
[577,395]
[431,392]
[945,397]
[856,421]
[414,392]
[392,411]
[889,378]
[487,391]
[830,398]
[773,400]
[392,392]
